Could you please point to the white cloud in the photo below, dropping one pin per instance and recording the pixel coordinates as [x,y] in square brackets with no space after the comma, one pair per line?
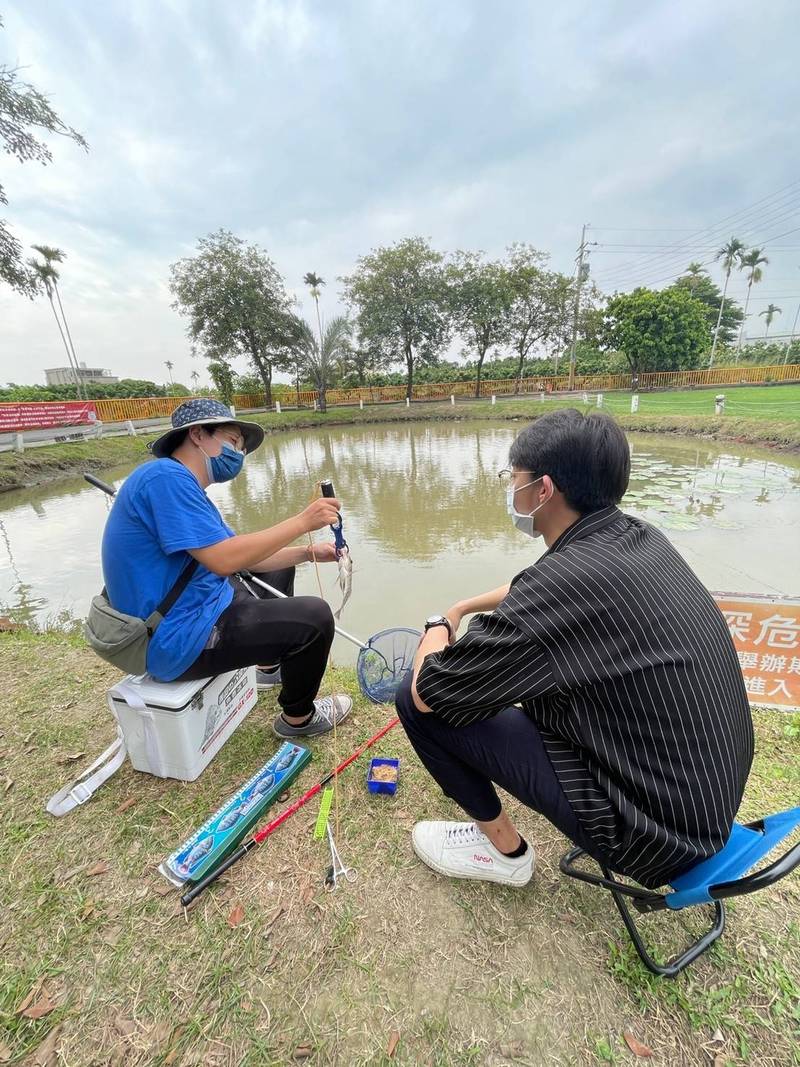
[323,131]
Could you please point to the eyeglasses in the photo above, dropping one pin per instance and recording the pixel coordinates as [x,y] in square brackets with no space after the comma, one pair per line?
[507,473]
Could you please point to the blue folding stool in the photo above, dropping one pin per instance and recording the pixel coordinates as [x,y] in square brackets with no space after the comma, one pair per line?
[710,882]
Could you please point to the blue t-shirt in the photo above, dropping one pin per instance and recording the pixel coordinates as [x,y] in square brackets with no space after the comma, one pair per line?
[160,512]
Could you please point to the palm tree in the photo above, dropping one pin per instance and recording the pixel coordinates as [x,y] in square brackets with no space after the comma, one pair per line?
[770,311]
[694,273]
[48,277]
[45,277]
[730,254]
[195,379]
[169,365]
[315,283]
[751,262]
[319,359]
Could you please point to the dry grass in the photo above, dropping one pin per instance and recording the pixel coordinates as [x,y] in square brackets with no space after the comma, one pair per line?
[466,974]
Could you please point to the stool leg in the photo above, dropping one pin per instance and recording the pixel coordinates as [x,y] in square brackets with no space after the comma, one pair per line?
[678,963]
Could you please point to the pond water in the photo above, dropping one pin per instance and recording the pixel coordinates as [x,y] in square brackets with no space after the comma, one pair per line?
[425,518]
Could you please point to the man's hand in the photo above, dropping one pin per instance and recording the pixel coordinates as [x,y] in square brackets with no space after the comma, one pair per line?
[324,511]
[323,552]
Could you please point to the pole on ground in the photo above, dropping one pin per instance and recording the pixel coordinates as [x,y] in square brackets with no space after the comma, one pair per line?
[634,403]
[361,403]
[277,407]
[599,400]
[452,400]
[130,428]
[19,442]
[579,279]
[494,399]
[586,398]
[408,402]
[233,411]
[541,396]
[719,404]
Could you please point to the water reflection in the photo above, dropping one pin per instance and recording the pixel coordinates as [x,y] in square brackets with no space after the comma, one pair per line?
[425,517]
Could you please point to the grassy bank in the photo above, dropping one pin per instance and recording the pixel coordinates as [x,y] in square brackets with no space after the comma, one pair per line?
[269,969]
[763,416]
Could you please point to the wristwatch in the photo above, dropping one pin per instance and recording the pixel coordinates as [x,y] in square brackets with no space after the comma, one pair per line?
[438,620]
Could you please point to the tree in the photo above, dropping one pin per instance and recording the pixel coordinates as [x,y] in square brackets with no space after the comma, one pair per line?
[655,330]
[321,357]
[704,289]
[222,377]
[770,311]
[539,306]
[730,254]
[24,112]
[46,278]
[195,379]
[50,256]
[399,295]
[236,303]
[169,365]
[480,297]
[315,283]
[362,361]
[751,262]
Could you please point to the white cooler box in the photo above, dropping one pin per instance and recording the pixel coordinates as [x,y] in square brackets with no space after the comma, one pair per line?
[174,729]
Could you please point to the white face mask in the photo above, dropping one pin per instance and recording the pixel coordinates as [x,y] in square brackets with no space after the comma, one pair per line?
[524,523]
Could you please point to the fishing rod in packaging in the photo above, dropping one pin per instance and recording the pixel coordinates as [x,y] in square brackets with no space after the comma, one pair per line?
[267,831]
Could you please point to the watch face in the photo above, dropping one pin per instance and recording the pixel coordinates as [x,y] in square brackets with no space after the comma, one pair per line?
[432,620]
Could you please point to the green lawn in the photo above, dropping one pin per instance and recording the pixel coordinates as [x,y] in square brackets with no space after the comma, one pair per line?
[402,967]
[750,402]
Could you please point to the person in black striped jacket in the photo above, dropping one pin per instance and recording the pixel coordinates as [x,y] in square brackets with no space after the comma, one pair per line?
[600,687]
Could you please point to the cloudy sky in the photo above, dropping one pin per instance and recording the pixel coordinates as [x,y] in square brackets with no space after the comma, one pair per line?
[320,130]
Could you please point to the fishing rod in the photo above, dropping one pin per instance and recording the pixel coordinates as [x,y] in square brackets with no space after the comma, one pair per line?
[98,483]
[383,660]
[266,831]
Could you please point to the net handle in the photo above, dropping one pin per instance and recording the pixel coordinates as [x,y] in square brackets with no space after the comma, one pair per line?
[276,592]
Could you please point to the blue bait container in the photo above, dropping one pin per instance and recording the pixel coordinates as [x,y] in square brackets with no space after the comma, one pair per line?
[383,787]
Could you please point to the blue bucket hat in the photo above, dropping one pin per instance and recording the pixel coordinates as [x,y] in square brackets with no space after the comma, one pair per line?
[202,411]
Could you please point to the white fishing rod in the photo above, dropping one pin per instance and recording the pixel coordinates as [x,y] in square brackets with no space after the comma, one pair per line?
[245,576]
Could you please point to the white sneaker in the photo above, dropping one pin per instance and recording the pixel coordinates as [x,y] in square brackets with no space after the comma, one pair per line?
[461,850]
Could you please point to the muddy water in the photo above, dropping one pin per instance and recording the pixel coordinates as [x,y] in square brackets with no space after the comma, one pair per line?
[425,518]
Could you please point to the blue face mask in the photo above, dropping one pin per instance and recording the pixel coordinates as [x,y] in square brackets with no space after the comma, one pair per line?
[226,465]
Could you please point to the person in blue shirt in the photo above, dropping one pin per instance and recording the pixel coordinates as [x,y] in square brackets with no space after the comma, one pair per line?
[162,518]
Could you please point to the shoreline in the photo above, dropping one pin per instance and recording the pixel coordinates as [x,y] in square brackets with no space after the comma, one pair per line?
[52,463]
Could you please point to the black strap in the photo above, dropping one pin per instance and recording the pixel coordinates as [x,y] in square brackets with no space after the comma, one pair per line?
[183,580]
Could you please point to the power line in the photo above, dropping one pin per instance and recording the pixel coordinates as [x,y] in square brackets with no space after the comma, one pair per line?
[662,260]
[778,205]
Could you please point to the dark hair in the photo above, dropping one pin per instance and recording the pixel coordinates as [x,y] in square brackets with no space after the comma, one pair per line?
[587,456]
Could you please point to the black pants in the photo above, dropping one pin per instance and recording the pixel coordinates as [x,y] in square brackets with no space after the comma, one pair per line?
[507,750]
[265,629]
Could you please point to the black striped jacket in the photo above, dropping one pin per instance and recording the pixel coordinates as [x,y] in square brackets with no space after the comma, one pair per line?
[623,660]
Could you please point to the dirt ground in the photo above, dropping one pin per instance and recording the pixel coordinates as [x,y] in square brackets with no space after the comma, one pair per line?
[101,965]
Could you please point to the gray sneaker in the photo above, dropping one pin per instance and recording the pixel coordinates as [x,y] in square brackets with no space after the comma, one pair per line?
[268,679]
[325,709]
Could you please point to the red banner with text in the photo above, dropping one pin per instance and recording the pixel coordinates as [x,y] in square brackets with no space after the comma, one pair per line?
[766,633]
[46,414]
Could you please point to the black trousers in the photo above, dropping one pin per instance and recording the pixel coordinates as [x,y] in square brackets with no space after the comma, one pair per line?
[265,630]
[507,749]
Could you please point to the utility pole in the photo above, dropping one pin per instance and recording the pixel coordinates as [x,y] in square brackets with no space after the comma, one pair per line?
[577,306]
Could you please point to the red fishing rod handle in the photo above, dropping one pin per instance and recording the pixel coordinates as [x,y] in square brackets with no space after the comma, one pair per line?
[195,890]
